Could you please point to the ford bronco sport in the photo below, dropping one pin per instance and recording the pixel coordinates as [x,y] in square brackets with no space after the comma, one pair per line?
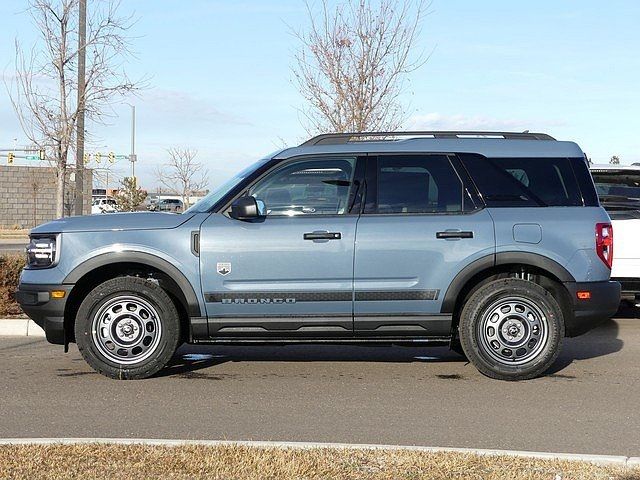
[492,243]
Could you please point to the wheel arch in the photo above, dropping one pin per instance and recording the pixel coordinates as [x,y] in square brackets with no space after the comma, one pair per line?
[549,273]
[110,265]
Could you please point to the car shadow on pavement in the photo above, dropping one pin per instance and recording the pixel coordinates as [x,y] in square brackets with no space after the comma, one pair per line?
[191,358]
[596,343]
[628,311]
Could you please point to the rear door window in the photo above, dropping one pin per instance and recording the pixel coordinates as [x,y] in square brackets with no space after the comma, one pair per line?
[417,184]
[524,182]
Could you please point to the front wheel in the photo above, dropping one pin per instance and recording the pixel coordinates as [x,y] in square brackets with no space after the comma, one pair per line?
[127,328]
[511,329]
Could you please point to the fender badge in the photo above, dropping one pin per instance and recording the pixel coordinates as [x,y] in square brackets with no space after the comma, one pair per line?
[223,268]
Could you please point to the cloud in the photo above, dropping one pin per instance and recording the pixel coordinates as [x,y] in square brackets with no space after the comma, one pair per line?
[184,107]
[438,121]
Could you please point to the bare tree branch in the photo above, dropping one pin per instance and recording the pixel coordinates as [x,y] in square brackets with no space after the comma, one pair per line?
[353,61]
[183,174]
[44,92]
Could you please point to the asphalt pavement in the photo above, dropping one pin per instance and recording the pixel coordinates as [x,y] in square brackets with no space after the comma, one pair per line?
[588,403]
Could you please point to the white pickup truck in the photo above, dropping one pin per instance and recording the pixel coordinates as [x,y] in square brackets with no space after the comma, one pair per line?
[618,187]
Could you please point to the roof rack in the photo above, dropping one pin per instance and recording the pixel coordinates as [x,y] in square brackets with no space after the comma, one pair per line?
[342,138]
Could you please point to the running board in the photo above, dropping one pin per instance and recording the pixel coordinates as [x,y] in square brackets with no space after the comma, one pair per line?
[433,341]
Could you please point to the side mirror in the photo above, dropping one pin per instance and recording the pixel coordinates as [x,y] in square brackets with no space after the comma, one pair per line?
[247,208]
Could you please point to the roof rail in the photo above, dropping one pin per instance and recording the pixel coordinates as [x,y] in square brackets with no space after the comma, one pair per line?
[342,138]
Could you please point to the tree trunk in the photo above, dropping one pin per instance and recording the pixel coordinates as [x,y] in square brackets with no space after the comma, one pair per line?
[61,172]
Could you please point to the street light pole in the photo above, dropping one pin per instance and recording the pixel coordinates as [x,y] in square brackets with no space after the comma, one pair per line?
[132,156]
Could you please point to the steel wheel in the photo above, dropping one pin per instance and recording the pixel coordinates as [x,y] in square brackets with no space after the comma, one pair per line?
[513,331]
[126,329]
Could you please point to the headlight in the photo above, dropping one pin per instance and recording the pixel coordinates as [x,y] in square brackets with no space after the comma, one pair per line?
[42,251]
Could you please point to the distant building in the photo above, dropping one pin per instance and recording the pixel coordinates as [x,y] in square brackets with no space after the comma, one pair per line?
[28,195]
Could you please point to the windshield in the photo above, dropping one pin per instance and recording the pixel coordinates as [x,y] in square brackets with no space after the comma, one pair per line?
[213,197]
[619,192]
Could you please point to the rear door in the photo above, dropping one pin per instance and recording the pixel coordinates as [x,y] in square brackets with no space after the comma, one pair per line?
[419,228]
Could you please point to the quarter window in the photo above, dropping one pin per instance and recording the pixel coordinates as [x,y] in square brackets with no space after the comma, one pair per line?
[319,186]
[418,184]
[524,182]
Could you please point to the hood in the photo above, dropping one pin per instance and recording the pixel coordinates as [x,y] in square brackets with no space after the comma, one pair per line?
[114,221]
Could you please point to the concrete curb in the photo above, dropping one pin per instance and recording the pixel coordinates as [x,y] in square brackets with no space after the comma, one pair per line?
[610,460]
[19,327]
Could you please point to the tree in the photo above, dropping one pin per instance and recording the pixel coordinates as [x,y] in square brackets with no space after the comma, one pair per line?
[44,91]
[129,196]
[615,160]
[352,66]
[182,174]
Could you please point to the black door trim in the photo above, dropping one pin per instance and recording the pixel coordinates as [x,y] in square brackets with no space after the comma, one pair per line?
[283,297]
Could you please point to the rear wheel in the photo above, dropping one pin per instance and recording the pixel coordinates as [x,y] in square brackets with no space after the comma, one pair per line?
[127,328]
[511,329]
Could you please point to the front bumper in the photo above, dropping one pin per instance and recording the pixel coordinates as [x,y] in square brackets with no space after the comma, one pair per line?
[603,304]
[36,301]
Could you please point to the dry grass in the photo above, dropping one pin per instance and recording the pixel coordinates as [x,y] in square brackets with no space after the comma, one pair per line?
[10,267]
[115,462]
[12,233]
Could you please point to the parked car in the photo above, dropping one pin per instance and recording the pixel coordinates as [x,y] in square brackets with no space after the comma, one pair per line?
[167,205]
[619,189]
[149,202]
[492,243]
[104,205]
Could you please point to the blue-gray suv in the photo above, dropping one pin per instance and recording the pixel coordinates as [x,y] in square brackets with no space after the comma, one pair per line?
[492,243]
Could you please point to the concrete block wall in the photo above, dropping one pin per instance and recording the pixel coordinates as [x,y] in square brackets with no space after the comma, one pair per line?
[27,195]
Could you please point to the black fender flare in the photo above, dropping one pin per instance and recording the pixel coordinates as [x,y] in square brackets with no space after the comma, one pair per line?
[503,258]
[193,306]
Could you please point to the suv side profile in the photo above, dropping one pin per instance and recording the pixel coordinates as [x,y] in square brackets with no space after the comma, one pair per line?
[492,243]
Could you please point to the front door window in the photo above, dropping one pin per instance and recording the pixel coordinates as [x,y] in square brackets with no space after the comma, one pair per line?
[307,187]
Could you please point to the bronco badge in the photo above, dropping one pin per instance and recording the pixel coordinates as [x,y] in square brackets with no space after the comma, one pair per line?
[223,268]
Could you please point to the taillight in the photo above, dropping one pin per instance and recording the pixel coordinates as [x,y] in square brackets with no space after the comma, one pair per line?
[604,243]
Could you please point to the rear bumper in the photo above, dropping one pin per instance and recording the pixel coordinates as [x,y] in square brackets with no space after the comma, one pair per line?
[36,301]
[603,304]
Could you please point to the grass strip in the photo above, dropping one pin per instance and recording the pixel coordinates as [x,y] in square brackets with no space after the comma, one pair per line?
[115,462]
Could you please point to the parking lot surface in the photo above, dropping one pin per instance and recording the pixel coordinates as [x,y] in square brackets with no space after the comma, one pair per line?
[588,403]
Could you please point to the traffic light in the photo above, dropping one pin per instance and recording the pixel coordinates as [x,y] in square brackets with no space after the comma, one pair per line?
[85,158]
[41,154]
[112,157]
[98,157]
[10,157]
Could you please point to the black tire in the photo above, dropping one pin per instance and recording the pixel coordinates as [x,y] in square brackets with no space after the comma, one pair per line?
[127,328]
[516,309]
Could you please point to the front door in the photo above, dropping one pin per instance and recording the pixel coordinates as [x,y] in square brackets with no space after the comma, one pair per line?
[419,228]
[290,274]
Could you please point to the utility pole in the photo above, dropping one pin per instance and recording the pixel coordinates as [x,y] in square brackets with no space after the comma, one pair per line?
[82,41]
[132,156]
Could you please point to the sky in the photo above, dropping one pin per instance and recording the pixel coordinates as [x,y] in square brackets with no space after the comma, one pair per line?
[219,77]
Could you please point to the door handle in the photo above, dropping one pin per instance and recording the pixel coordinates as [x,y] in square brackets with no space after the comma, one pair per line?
[454,234]
[322,236]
